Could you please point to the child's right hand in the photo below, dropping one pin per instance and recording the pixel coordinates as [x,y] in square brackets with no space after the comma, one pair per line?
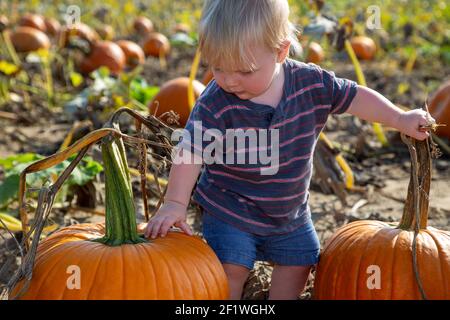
[170,214]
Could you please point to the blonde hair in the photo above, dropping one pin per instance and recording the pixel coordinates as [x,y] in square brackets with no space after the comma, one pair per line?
[229,27]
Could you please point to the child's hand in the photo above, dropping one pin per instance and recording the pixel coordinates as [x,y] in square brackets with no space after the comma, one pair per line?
[409,123]
[170,214]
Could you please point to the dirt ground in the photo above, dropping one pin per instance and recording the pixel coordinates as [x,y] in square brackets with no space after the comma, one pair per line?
[382,174]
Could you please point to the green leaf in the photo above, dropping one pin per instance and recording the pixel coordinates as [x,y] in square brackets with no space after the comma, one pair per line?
[141,91]
[8,189]
[86,171]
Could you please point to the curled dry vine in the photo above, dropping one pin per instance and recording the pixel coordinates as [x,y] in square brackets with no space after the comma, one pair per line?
[32,234]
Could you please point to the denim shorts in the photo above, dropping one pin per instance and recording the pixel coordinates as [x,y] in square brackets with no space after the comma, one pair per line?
[300,247]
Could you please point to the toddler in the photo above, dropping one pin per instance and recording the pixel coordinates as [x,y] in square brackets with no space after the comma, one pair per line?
[253,209]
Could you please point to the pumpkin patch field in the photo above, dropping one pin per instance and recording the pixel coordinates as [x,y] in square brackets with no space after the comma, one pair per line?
[91,93]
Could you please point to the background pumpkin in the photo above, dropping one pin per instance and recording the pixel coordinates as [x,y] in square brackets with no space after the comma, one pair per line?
[439,106]
[26,39]
[156,45]
[173,95]
[114,262]
[53,26]
[133,52]
[315,53]
[104,53]
[364,47]
[34,21]
[143,25]
[80,30]
[342,272]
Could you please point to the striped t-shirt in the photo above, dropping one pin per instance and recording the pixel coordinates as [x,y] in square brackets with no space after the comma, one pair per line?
[243,194]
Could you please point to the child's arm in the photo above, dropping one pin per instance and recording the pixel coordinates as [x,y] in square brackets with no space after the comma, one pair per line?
[182,179]
[372,106]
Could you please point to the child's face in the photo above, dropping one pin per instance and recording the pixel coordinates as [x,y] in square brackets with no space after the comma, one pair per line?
[247,84]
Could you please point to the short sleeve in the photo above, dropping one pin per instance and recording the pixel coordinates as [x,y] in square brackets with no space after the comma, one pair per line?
[341,91]
[201,133]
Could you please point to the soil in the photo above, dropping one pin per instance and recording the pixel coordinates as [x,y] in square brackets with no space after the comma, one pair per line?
[381,174]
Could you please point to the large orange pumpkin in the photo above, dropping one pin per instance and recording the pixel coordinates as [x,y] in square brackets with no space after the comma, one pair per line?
[34,21]
[133,52]
[26,39]
[374,259]
[104,53]
[93,261]
[173,95]
[364,47]
[156,45]
[143,25]
[440,108]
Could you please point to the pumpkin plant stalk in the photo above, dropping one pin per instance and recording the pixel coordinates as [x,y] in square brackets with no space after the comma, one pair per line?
[362,81]
[120,216]
[193,72]
[415,212]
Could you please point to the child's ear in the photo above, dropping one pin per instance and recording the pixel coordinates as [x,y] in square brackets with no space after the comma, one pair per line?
[283,52]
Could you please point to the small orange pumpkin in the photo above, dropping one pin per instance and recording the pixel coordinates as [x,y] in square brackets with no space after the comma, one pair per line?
[315,53]
[440,108]
[143,25]
[34,21]
[26,39]
[156,45]
[133,52]
[53,26]
[364,47]
[173,95]
[375,260]
[104,53]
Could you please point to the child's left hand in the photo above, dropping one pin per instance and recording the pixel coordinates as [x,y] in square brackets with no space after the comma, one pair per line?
[409,123]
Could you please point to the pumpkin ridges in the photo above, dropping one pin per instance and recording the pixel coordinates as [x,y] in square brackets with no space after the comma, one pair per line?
[199,276]
[445,251]
[368,251]
[357,243]
[402,274]
[394,257]
[49,266]
[201,253]
[330,278]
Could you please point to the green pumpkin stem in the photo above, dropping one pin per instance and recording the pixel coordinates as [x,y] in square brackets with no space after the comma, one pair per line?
[120,216]
[417,201]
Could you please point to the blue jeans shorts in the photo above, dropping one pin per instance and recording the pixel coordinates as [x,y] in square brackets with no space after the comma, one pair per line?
[297,248]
